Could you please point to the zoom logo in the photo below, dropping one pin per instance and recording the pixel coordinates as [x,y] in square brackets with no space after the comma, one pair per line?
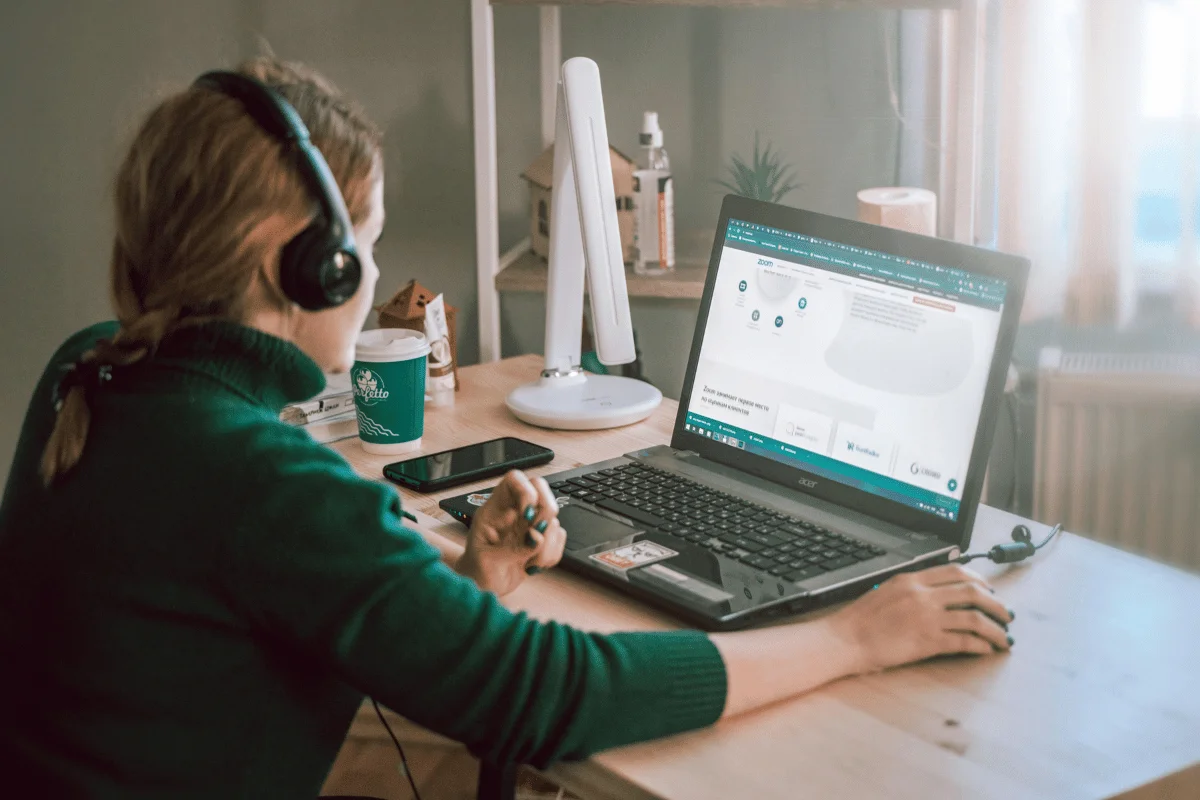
[766,262]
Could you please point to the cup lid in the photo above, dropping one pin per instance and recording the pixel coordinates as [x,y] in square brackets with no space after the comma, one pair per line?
[391,343]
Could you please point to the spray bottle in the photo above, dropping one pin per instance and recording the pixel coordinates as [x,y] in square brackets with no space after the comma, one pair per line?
[654,203]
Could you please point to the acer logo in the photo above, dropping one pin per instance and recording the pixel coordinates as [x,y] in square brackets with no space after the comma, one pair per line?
[806,482]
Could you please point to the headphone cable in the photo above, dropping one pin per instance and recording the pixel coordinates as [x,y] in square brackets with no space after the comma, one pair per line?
[1019,549]
[399,749]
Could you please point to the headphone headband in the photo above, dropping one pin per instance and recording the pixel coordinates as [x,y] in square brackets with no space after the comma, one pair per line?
[266,105]
[319,268]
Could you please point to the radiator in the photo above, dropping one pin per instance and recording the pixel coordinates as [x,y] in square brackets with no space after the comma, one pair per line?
[1117,451]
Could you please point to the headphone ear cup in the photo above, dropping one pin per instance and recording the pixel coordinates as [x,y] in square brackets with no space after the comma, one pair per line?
[315,273]
[1020,533]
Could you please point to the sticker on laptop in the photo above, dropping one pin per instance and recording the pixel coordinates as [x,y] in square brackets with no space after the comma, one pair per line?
[479,498]
[634,555]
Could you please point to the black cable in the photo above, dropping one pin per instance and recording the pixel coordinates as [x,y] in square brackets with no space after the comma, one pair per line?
[1019,549]
[1053,532]
[399,749]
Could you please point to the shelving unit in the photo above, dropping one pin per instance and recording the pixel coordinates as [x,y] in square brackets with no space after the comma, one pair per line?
[961,86]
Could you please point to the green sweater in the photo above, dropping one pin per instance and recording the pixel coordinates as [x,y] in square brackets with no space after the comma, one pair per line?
[199,607]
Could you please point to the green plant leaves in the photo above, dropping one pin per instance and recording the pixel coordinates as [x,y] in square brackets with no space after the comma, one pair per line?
[766,177]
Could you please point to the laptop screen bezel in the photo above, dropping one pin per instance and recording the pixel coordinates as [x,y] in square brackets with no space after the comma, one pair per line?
[988,263]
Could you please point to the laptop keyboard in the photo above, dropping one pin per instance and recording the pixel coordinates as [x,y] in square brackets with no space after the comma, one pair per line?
[759,537]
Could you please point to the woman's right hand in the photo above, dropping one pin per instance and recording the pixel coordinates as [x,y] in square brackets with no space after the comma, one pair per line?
[917,615]
[515,533]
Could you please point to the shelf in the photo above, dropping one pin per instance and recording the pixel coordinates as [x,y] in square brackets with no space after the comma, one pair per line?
[843,4]
[527,271]
[528,274]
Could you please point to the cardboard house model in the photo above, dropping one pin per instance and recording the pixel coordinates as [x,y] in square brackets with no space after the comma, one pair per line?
[406,309]
[540,175]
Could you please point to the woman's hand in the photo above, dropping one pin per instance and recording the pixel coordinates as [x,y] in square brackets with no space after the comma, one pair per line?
[939,611]
[514,533]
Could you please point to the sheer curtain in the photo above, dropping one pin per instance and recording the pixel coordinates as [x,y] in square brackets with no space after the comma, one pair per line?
[1069,127]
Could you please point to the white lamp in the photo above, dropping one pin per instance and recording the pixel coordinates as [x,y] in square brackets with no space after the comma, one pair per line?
[584,241]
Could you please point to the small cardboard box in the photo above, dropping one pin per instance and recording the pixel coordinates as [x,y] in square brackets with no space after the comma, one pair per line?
[406,309]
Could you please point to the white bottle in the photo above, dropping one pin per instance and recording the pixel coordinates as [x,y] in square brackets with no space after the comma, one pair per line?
[654,203]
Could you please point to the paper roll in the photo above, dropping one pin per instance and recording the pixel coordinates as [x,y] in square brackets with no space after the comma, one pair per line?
[900,207]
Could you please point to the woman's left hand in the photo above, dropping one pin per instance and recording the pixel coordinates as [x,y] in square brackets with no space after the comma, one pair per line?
[515,532]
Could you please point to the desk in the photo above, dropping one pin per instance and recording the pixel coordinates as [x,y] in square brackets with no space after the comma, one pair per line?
[1098,697]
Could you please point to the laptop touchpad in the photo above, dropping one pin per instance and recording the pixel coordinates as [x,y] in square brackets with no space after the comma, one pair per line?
[588,529]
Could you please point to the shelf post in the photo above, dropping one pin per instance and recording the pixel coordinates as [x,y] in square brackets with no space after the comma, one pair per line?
[550,46]
[487,203]
[970,30]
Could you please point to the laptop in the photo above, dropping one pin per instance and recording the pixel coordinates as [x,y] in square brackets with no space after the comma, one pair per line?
[833,429]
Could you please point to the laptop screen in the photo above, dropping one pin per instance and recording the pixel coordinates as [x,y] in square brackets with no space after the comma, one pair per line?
[866,368]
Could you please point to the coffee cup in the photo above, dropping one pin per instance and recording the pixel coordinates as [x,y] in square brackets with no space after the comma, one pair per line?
[388,378]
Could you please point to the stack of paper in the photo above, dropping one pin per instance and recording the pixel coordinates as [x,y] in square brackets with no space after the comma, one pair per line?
[329,416]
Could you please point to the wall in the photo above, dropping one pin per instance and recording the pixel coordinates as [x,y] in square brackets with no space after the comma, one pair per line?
[82,74]
[73,77]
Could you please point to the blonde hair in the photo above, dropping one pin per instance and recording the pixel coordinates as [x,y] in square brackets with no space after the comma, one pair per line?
[204,199]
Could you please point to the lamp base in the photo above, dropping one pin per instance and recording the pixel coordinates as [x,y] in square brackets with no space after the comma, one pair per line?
[583,402]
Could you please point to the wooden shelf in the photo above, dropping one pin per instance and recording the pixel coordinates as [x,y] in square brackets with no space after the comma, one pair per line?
[692,250]
[528,274]
[851,4]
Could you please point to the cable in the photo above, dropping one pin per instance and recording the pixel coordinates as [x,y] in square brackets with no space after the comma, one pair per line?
[1021,547]
[399,749]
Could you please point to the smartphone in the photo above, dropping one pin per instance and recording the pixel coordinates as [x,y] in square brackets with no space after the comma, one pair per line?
[472,462]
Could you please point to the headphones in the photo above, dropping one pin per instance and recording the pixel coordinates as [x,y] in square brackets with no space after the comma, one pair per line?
[319,267]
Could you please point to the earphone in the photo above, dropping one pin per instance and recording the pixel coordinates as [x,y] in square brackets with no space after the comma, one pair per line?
[1019,549]
[319,268]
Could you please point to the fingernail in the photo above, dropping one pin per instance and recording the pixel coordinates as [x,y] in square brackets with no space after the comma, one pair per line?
[530,513]
[530,541]
[1010,641]
[532,570]
[541,526]
[1011,615]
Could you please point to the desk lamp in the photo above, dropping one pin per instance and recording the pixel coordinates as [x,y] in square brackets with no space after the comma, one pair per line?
[584,242]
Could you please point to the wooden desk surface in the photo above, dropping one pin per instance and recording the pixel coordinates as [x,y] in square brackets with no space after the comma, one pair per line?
[1098,697]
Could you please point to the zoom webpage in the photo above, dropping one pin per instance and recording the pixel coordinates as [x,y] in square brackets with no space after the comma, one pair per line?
[863,367]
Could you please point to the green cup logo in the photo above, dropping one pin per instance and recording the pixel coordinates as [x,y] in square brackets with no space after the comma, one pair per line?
[369,387]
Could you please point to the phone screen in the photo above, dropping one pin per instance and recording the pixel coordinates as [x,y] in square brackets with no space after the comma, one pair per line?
[464,460]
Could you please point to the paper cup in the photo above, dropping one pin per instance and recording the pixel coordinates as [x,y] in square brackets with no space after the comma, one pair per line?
[389,389]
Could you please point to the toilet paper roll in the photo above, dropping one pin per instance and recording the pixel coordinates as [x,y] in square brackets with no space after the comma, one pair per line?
[901,207]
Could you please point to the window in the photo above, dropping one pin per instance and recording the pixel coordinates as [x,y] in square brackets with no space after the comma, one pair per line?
[1167,214]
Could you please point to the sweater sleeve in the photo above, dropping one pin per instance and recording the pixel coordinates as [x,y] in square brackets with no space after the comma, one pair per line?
[323,560]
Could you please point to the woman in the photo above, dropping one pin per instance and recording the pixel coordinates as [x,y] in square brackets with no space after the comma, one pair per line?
[194,598]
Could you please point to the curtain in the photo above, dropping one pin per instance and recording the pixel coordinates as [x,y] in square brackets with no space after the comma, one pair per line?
[1068,152]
